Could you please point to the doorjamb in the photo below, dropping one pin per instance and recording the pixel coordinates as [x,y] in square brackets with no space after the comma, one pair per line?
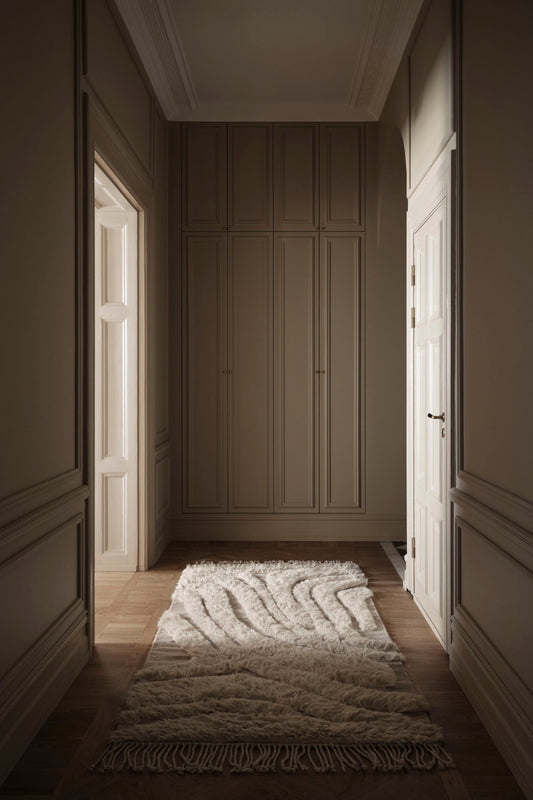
[107,169]
[103,141]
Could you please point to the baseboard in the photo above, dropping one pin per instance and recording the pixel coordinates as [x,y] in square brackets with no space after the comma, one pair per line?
[288,527]
[28,709]
[498,696]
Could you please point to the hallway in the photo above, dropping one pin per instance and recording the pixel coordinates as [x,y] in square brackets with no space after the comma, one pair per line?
[127,609]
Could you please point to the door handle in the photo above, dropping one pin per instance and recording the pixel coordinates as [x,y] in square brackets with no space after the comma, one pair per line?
[440,416]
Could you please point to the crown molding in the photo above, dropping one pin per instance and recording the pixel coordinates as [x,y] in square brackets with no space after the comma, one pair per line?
[389,27]
[154,33]
[152,29]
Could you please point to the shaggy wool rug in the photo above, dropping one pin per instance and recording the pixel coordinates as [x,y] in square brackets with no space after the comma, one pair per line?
[258,667]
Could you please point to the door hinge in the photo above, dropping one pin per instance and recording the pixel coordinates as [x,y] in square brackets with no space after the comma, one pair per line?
[413,547]
[413,275]
[412,316]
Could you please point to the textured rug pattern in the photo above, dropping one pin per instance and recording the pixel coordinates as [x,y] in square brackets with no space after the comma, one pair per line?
[276,665]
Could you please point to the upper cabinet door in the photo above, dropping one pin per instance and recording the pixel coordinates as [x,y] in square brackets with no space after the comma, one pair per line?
[341,178]
[296,177]
[204,178]
[250,177]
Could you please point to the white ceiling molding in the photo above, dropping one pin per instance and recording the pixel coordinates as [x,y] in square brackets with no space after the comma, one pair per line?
[154,34]
[388,32]
[383,35]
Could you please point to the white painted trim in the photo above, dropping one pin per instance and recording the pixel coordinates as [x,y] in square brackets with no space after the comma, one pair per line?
[169,26]
[158,44]
[288,527]
[389,28]
[435,187]
[154,33]
[143,487]
[497,694]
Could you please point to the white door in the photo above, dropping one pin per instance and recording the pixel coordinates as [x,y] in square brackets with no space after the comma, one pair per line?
[116,403]
[429,363]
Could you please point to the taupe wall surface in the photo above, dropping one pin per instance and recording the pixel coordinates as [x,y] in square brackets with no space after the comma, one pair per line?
[385,321]
[116,79]
[37,235]
[491,484]
[492,649]
[431,95]
[45,519]
[498,243]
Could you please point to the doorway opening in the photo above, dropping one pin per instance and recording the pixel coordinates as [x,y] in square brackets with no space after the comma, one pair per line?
[117,400]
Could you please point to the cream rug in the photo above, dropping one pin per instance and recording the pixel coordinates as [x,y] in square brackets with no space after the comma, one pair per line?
[258,667]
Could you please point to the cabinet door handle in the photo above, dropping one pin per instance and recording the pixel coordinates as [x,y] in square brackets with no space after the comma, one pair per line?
[439,416]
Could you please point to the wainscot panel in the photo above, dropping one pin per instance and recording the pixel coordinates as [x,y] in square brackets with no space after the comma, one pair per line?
[491,652]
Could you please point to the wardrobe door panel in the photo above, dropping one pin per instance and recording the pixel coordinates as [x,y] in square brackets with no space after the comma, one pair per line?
[250,177]
[341,358]
[296,177]
[204,378]
[250,379]
[341,178]
[204,177]
[296,377]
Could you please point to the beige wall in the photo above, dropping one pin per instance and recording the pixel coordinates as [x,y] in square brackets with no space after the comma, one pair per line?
[45,525]
[492,482]
[385,322]
[492,650]
[498,243]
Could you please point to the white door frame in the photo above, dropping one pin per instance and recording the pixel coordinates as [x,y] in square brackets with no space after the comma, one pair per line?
[435,188]
[142,399]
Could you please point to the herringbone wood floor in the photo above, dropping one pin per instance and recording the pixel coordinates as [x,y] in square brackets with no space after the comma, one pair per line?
[128,607]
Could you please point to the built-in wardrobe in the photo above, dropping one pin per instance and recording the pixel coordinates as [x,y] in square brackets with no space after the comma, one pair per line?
[273,227]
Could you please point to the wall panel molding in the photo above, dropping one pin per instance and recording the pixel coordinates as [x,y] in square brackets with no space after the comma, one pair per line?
[289,527]
[28,529]
[490,652]
[500,699]
[44,688]
[512,539]
[35,498]
[113,133]
[494,499]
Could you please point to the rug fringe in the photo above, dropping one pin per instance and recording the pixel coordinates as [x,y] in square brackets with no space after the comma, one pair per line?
[245,757]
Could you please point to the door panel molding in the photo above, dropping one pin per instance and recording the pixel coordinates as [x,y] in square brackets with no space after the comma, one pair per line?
[250,197]
[250,375]
[342,192]
[428,573]
[342,459]
[204,177]
[204,361]
[296,376]
[296,177]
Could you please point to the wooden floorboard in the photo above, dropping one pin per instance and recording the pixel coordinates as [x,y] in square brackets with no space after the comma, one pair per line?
[56,765]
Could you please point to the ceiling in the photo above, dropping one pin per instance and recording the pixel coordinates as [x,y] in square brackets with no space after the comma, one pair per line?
[278,60]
